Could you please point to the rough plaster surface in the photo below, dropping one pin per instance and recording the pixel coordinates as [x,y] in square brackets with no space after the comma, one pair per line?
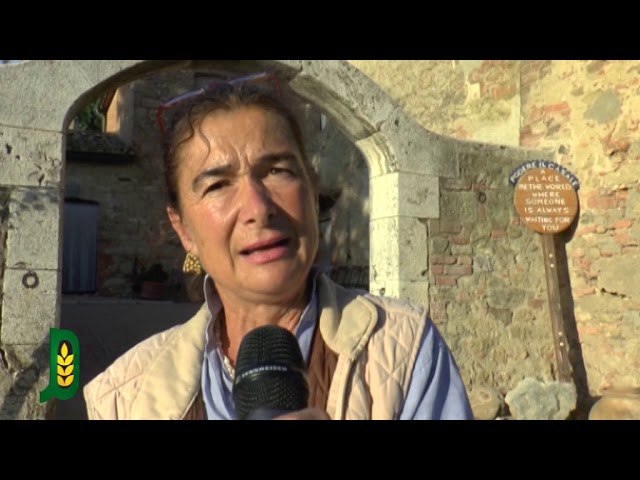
[28,313]
[30,158]
[33,211]
[397,249]
[405,194]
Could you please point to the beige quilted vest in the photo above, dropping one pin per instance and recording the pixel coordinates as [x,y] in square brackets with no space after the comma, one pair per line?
[376,339]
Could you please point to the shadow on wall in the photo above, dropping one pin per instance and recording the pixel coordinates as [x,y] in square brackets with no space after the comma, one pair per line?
[25,382]
[578,369]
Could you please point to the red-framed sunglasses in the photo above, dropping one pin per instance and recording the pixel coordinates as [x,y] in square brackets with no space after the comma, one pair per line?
[256,77]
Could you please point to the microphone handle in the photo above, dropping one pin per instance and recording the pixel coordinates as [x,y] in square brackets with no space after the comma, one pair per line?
[265,413]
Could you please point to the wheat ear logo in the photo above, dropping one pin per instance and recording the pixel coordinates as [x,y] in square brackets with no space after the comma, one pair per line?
[64,366]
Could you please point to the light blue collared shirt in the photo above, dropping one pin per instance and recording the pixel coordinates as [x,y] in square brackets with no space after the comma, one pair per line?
[436,391]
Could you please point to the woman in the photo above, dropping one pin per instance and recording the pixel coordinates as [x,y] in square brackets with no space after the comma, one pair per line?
[243,200]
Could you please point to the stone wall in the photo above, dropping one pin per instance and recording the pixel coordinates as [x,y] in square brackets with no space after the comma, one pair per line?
[583,115]
[488,293]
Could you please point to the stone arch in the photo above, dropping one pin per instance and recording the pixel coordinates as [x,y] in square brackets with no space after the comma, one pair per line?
[405,163]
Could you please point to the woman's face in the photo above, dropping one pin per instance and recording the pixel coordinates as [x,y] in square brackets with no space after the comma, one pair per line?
[248,210]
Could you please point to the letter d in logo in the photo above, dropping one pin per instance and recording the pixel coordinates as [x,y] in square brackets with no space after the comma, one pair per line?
[64,365]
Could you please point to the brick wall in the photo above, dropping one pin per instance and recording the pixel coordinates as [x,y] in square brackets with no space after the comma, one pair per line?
[584,115]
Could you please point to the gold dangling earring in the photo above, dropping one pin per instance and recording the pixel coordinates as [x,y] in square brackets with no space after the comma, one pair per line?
[191,264]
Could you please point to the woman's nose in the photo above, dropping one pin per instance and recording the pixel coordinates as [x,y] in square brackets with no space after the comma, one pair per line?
[256,203]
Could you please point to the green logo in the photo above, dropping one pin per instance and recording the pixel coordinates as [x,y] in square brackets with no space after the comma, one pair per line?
[64,365]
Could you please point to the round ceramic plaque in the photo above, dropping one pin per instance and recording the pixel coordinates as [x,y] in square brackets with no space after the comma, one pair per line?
[545,200]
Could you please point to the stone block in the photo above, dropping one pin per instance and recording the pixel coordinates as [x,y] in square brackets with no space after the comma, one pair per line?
[404,194]
[38,94]
[378,152]
[459,206]
[620,275]
[347,95]
[419,151]
[535,400]
[398,249]
[30,305]
[31,158]
[486,402]
[34,229]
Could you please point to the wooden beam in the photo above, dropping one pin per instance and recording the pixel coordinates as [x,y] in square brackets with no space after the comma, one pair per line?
[555,308]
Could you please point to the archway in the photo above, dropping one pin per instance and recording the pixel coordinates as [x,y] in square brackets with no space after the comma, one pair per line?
[398,151]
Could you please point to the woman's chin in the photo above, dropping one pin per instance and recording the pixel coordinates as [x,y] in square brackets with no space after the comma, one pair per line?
[276,280]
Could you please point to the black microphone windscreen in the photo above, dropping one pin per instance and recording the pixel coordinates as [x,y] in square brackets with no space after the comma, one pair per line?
[270,374]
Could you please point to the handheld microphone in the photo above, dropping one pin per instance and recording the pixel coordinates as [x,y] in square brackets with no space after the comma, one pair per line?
[271,377]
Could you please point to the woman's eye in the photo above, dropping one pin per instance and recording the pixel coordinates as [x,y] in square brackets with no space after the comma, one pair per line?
[214,186]
[281,171]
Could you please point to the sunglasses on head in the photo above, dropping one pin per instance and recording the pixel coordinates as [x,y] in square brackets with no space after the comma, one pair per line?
[212,86]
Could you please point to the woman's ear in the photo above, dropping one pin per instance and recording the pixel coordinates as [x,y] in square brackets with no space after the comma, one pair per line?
[181,230]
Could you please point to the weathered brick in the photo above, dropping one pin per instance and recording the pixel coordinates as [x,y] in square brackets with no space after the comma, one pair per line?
[615,145]
[562,107]
[460,239]
[463,296]
[528,79]
[502,91]
[535,114]
[601,202]
[465,260]
[625,223]
[445,281]
[458,269]
[624,239]
[530,139]
[622,195]
[450,227]
[436,269]
[585,265]
[536,303]
[581,292]
[578,253]
[442,260]
[586,230]
[455,184]
[438,304]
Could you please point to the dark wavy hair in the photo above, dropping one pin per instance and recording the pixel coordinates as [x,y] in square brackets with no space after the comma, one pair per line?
[183,124]
[186,118]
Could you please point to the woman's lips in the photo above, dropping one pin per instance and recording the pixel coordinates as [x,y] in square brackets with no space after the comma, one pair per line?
[266,251]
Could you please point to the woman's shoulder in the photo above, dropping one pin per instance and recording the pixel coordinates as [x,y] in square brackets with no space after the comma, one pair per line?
[129,366]
[386,305]
[397,306]
[122,379]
